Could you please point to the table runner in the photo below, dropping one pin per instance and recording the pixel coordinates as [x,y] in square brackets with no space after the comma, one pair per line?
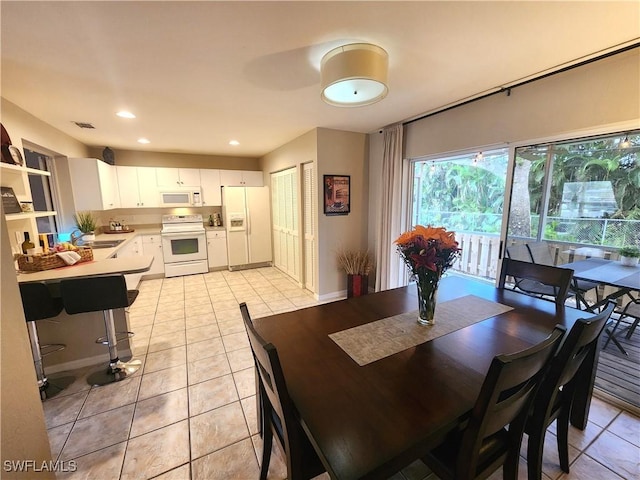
[376,340]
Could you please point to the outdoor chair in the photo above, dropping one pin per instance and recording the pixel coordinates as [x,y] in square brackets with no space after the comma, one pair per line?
[556,393]
[541,254]
[493,434]
[632,311]
[277,412]
[537,280]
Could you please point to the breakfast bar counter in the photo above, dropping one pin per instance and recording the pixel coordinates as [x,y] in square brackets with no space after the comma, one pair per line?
[79,332]
[107,266]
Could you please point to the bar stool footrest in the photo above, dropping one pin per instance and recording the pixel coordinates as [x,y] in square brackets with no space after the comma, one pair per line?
[119,337]
[50,348]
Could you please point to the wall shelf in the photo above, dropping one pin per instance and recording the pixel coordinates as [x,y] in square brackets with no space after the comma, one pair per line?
[27,215]
[17,169]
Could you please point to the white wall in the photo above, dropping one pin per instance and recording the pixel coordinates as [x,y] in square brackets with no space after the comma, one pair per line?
[341,153]
[23,126]
[298,151]
[334,152]
[24,436]
[601,93]
[601,97]
[146,158]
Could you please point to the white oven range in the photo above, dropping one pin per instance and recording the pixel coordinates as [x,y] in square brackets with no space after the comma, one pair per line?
[184,245]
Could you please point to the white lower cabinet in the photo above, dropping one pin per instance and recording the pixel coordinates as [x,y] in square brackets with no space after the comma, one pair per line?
[131,249]
[217,248]
[152,245]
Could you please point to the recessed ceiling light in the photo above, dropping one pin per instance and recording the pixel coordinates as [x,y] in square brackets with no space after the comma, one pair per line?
[143,140]
[125,114]
[234,142]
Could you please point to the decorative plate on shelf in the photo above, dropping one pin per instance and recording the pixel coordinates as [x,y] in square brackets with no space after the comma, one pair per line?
[16,156]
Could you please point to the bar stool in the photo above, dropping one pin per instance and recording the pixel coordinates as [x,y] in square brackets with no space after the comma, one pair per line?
[103,293]
[38,304]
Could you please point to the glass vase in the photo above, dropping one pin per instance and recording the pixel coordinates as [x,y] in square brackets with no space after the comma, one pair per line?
[427,292]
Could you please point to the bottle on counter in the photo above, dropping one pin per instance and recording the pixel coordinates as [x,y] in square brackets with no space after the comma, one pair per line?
[27,244]
[43,244]
[211,224]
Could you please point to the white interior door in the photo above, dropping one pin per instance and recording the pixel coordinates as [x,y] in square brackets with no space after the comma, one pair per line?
[310,207]
[286,235]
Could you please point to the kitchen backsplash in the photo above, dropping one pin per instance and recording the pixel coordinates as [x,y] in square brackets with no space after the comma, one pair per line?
[150,217]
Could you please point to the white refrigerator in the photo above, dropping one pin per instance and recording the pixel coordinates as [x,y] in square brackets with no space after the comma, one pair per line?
[247,219]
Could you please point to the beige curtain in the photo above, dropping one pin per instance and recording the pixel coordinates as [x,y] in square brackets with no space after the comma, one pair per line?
[389,267]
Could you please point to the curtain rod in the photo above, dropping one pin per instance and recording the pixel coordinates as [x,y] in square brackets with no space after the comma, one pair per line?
[525,82]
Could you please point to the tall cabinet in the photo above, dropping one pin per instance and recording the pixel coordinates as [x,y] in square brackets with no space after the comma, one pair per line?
[135,187]
[94,184]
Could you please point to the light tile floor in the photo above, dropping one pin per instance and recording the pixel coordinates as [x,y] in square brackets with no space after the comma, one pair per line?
[190,411]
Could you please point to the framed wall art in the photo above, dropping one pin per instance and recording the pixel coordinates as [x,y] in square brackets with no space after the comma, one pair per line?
[9,200]
[337,194]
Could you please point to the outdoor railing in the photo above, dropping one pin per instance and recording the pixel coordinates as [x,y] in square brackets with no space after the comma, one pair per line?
[604,232]
[481,253]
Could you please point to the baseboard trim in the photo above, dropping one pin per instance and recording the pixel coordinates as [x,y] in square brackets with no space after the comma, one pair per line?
[617,402]
[333,296]
[85,362]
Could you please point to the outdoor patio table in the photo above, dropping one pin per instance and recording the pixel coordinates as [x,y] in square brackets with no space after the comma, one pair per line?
[608,272]
[371,421]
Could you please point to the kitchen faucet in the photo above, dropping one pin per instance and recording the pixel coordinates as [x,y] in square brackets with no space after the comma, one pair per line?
[74,239]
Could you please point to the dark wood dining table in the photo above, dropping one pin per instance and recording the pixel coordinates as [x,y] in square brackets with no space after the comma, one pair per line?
[371,421]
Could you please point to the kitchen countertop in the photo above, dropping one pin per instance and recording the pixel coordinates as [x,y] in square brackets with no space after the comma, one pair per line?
[102,264]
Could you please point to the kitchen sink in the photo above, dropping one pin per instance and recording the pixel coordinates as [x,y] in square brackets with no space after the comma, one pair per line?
[103,243]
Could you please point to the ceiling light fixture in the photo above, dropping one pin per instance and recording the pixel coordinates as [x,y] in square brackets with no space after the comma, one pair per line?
[143,140]
[234,143]
[125,114]
[354,75]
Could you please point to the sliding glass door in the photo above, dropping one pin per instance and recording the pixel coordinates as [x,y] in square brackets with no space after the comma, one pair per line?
[464,193]
[578,197]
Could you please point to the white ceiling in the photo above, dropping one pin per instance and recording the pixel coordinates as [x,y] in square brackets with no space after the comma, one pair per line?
[198,74]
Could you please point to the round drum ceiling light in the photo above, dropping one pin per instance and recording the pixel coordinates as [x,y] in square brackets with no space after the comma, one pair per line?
[354,75]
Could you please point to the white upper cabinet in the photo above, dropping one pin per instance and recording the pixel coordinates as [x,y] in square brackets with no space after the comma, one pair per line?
[241,178]
[210,186]
[94,184]
[137,188]
[177,177]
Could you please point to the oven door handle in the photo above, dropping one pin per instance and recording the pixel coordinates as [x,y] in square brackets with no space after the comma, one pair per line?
[172,236]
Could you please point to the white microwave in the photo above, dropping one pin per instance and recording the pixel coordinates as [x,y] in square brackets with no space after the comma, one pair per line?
[181,198]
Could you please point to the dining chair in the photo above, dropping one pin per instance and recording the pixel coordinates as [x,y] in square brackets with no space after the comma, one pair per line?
[556,393]
[631,310]
[521,253]
[538,280]
[540,253]
[278,415]
[492,436]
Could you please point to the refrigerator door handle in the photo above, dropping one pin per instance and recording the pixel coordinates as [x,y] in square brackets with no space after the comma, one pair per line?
[248,220]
